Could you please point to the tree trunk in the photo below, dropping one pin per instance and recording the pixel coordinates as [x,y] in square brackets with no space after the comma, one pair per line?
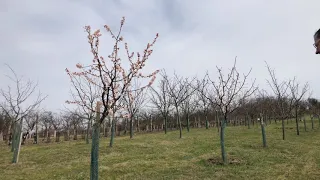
[48,136]
[113,124]
[109,126]
[68,134]
[94,166]
[131,127]
[125,126]
[245,120]
[6,137]
[179,122]
[88,130]
[188,123]
[248,119]
[218,122]
[58,137]
[263,131]
[13,136]
[207,123]
[265,120]
[305,124]
[252,119]
[18,143]
[115,129]
[165,124]
[222,144]
[297,122]
[180,125]
[151,125]
[75,133]
[47,133]
[138,124]
[54,133]
[36,135]
[283,130]
[312,123]
[269,118]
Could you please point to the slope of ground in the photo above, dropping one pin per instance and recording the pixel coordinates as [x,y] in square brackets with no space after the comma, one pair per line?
[159,156]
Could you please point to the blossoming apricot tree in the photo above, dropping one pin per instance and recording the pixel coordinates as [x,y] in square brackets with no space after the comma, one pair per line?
[111,79]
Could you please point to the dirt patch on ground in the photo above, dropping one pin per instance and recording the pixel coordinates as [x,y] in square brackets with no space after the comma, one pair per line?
[218,161]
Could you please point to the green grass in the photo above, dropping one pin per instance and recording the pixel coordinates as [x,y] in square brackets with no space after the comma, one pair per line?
[159,156]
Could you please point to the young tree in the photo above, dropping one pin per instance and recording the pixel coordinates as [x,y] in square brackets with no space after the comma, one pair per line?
[66,124]
[161,99]
[284,102]
[262,97]
[56,123]
[189,106]
[46,119]
[230,91]
[203,94]
[179,91]
[18,105]
[32,120]
[4,122]
[85,91]
[134,99]
[314,109]
[297,93]
[250,108]
[111,78]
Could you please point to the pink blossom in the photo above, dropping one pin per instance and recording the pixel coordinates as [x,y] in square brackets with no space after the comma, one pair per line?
[79,66]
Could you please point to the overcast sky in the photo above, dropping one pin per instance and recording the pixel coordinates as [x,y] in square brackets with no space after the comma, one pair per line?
[40,38]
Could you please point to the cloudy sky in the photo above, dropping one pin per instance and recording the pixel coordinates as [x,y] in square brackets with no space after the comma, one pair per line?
[40,38]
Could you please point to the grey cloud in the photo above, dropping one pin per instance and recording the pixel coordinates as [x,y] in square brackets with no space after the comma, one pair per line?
[42,38]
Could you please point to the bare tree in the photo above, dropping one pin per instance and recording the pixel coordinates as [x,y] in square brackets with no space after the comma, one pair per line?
[86,92]
[262,96]
[179,90]
[230,91]
[297,93]
[313,107]
[161,99]
[284,102]
[46,119]
[32,120]
[203,96]
[3,120]
[18,105]
[56,123]
[66,124]
[134,99]
[189,106]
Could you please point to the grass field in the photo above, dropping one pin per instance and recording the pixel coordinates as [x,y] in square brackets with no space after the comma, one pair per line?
[159,156]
